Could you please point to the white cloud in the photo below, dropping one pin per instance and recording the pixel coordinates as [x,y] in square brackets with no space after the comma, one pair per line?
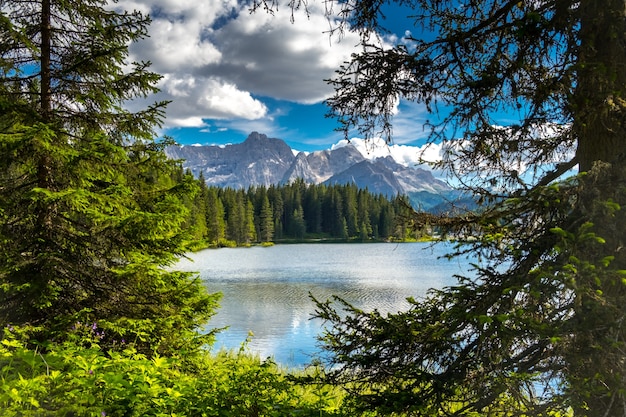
[227,100]
[196,99]
[175,47]
[218,61]
[410,156]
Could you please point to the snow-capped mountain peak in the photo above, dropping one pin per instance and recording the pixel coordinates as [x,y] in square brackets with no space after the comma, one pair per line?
[259,160]
[409,156]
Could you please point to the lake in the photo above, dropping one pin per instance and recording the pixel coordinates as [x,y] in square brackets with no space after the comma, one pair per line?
[266,289]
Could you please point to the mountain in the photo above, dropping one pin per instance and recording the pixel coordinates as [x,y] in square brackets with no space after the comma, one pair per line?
[319,166]
[260,160]
[371,175]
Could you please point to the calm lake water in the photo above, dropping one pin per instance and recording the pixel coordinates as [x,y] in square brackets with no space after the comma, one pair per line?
[266,289]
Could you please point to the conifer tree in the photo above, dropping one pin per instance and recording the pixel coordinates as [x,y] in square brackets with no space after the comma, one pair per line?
[249,228]
[216,223]
[196,223]
[266,220]
[297,223]
[91,210]
[276,201]
[350,209]
[529,90]
[233,207]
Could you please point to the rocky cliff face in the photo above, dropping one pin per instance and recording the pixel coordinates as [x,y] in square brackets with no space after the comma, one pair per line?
[260,160]
[320,166]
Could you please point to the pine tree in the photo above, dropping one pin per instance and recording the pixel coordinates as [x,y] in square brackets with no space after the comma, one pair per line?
[196,223]
[364,214]
[233,214]
[539,330]
[297,223]
[334,219]
[350,209]
[312,206]
[91,210]
[249,228]
[276,201]
[266,220]
[216,223]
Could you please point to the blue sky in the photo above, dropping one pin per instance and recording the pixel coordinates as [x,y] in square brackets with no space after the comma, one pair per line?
[228,72]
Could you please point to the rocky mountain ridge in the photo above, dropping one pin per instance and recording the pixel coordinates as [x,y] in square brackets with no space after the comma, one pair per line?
[260,160]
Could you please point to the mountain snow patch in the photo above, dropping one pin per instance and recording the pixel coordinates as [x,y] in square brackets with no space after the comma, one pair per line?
[409,156]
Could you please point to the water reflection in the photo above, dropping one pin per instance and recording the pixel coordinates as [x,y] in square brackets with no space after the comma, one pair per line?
[266,290]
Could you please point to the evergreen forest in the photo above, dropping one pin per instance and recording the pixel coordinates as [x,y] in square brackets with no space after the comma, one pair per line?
[296,212]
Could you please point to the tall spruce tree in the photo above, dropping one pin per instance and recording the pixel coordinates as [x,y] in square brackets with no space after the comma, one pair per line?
[266,221]
[91,210]
[540,328]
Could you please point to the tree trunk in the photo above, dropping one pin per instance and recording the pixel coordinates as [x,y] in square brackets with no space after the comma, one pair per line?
[600,96]
[44,168]
[596,358]
[46,60]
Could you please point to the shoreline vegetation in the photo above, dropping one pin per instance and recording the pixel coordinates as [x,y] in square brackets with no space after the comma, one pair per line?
[81,378]
[297,212]
[198,246]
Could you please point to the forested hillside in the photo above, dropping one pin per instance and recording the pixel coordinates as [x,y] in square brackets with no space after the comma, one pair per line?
[229,217]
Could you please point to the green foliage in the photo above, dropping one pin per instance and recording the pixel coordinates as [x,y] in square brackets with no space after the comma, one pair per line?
[536,331]
[80,378]
[299,211]
[91,211]
[524,92]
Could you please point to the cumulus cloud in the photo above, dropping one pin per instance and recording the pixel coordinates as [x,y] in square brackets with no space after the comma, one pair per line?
[218,61]
[173,47]
[207,98]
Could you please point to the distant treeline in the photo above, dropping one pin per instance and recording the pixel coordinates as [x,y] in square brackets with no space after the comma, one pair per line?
[297,211]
